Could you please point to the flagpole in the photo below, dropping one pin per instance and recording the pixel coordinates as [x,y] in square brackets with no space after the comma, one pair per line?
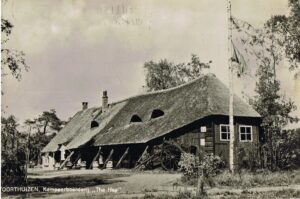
[230,67]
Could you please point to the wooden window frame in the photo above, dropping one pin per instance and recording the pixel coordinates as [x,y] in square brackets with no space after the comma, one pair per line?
[251,133]
[224,140]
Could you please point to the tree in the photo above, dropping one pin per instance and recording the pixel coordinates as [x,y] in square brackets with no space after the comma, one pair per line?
[48,121]
[274,109]
[275,112]
[165,74]
[266,47]
[8,133]
[13,153]
[12,61]
[289,28]
[41,130]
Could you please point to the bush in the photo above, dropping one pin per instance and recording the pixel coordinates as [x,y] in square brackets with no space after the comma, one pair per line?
[188,164]
[191,166]
[211,165]
[249,156]
[288,149]
[13,168]
[283,153]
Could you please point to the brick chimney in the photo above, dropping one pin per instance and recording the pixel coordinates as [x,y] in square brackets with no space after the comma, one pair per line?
[84,105]
[104,101]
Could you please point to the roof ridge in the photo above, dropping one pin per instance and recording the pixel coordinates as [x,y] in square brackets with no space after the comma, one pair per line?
[165,90]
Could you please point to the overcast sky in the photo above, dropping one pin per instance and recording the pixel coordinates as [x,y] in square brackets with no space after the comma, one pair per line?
[76,49]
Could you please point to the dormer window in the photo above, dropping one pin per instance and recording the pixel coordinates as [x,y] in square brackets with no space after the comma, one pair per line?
[94,124]
[135,118]
[157,113]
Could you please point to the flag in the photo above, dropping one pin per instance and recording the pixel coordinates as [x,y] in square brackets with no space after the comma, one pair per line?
[238,58]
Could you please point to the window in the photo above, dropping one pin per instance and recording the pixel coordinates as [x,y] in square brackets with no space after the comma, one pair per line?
[245,133]
[135,118]
[203,129]
[157,113]
[224,132]
[202,141]
[94,124]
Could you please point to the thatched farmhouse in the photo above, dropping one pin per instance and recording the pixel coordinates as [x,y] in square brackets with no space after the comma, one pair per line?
[157,126]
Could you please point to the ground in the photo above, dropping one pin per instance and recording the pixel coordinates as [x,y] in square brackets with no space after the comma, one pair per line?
[136,184]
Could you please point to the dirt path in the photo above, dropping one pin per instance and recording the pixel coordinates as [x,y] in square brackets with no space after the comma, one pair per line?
[129,185]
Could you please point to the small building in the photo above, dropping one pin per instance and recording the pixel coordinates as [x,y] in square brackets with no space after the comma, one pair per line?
[193,115]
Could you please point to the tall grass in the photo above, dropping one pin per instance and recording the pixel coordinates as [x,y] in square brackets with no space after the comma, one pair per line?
[263,178]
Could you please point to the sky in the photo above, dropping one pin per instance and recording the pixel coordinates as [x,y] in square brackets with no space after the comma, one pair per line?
[78,48]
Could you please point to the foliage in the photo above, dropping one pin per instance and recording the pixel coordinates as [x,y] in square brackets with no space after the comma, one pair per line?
[200,168]
[9,133]
[36,143]
[274,110]
[287,154]
[249,156]
[256,179]
[41,130]
[288,27]
[209,165]
[13,168]
[48,122]
[188,164]
[12,61]
[165,74]
[13,153]
[38,134]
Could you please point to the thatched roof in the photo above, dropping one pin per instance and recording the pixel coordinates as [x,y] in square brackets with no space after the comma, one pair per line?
[181,105]
[79,123]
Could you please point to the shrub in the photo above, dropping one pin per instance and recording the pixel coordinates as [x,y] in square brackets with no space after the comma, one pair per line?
[193,168]
[211,165]
[249,156]
[288,150]
[188,165]
[13,168]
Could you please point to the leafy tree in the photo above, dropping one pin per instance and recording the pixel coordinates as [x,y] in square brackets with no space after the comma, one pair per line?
[13,153]
[165,74]
[12,61]
[37,142]
[40,131]
[9,133]
[274,109]
[202,168]
[265,46]
[275,112]
[288,149]
[48,122]
[289,28]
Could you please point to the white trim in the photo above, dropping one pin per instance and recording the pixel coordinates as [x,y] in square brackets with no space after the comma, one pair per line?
[224,140]
[251,132]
